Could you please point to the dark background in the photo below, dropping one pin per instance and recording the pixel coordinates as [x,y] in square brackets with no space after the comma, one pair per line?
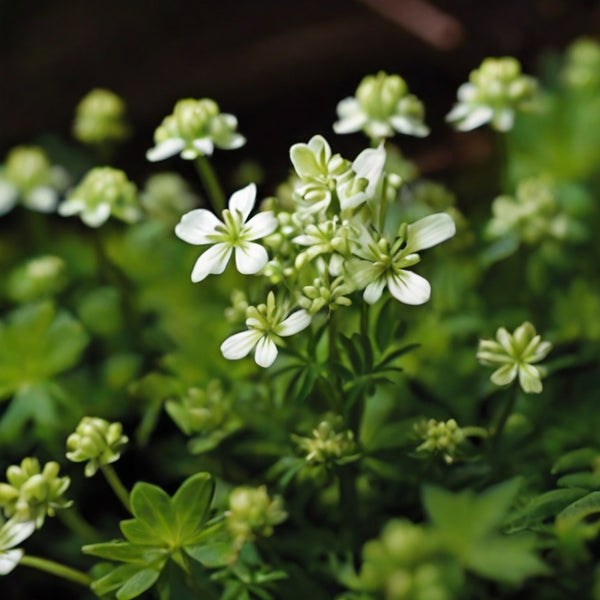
[280,66]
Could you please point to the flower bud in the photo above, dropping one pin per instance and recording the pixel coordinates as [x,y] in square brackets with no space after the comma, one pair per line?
[100,118]
[38,278]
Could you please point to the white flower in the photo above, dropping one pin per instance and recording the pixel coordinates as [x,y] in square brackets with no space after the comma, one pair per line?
[266,326]
[386,265]
[200,226]
[13,532]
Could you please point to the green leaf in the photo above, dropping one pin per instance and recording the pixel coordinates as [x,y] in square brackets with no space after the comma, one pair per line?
[191,505]
[582,458]
[138,532]
[217,554]
[152,505]
[114,579]
[124,552]
[542,507]
[582,508]
[138,584]
[588,480]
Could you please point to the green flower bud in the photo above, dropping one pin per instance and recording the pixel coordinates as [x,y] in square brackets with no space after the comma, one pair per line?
[193,129]
[440,437]
[493,94]
[39,277]
[516,353]
[328,445]
[100,118]
[103,192]
[381,107]
[166,196]
[27,167]
[96,441]
[582,70]
[252,513]
[32,493]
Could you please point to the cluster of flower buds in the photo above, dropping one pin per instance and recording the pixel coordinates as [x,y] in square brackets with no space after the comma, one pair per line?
[327,444]
[440,437]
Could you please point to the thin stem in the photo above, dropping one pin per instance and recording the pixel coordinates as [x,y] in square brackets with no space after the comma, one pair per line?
[58,569]
[502,161]
[508,408]
[211,183]
[115,483]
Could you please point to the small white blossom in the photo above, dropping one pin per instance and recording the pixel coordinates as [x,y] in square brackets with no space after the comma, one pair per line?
[386,264]
[201,226]
[267,324]
[12,533]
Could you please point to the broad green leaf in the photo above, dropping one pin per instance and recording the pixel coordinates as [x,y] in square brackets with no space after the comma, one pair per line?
[191,505]
[139,533]
[114,579]
[124,552]
[510,559]
[138,583]
[582,508]
[152,505]
[217,554]
[542,507]
[588,480]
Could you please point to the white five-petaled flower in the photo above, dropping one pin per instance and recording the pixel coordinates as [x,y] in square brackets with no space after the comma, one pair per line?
[385,264]
[12,533]
[201,226]
[267,324]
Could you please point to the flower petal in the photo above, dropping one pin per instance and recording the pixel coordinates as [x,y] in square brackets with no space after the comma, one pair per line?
[260,225]
[204,146]
[505,374]
[374,290]
[9,559]
[8,197]
[428,232]
[476,117]
[352,118]
[43,199]
[96,216]
[243,200]
[71,206]
[239,345]
[369,164]
[529,378]
[214,260]
[296,322]
[250,258]
[197,227]
[304,161]
[408,287]
[266,352]
[165,149]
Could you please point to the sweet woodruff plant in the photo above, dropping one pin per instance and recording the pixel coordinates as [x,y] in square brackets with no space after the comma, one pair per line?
[343,442]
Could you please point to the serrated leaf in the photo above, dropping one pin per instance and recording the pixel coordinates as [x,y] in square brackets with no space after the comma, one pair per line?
[542,507]
[582,458]
[152,505]
[582,508]
[138,583]
[191,505]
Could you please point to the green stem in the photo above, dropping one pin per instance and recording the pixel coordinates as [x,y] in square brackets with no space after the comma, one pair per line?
[78,525]
[54,568]
[211,183]
[348,506]
[508,408]
[502,161]
[115,483]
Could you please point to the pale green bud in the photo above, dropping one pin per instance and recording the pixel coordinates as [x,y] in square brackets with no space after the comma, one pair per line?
[100,118]
[329,442]
[96,441]
[583,65]
[32,493]
[440,437]
[38,278]
[252,513]
[27,167]
[103,192]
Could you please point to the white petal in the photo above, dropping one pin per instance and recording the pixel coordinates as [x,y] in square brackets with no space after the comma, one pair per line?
[14,532]
[9,559]
[70,207]
[214,260]
[379,129]
[190,153]
[529,378]
[294,323]
[197,226]
[266,352]
[239,345]
[8,197]
[466,92]
[476,117]
[97,215]
[429,231]
[243,200]
[408,287]
[260,225]
[504,120]
[43,199]
[458,112]
[231,142]
[204,145]
[409,126]
[352,118]
[374,290]
[165,149]
[505,374]
[250,258]
[369,164]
